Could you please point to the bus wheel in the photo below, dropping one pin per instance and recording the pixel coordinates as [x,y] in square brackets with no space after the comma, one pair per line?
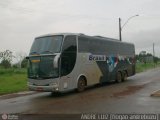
[124,76]
[119,77]
[56,94]
[81,84]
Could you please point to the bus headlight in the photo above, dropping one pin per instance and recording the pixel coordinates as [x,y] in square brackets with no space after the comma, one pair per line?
[54,85]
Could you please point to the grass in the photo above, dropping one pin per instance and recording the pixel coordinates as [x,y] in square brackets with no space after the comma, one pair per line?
[15,80]
[12,80]
[141,67]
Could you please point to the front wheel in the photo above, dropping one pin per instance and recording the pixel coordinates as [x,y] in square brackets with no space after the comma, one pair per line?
[81,84]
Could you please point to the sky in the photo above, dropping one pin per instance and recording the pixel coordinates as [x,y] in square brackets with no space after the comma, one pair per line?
[23,20]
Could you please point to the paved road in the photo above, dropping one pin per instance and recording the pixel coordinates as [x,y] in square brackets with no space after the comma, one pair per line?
[132,96]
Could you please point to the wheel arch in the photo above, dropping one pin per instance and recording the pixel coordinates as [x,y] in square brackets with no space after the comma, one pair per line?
[126,71]
[82,76]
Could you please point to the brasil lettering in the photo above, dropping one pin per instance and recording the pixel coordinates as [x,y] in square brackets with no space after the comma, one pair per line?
[97,57]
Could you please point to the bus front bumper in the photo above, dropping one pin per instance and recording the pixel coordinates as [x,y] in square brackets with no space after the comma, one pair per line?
[50,88]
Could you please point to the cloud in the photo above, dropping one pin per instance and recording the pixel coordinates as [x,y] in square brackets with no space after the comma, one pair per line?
[23,20]
[144,40]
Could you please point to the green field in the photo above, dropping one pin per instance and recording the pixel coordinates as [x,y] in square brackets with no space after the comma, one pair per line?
[15,80]
[12,80]
[141,67]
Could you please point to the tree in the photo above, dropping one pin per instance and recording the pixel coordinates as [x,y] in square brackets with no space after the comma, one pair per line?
[6,55]
[20,56]
[5,63]
[146,57]
[24,63]
[6,58]
[142,53]
[156,59]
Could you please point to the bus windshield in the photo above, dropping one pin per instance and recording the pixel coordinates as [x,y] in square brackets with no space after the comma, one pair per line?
[47,45]
[41,67]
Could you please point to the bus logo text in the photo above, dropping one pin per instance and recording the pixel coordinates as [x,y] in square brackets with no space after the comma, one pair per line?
[97,57]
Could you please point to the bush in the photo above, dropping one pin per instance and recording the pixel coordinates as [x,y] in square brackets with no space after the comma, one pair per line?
[6,64]
[24,63]
[12,71]
[6,71]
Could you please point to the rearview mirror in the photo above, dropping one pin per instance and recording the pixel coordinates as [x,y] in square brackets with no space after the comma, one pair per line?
[55,61]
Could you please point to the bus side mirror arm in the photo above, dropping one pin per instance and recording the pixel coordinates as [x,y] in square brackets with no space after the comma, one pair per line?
[55,61]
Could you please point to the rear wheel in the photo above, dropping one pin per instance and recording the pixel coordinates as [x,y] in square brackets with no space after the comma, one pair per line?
[119,77]
[81,84]
[124,76]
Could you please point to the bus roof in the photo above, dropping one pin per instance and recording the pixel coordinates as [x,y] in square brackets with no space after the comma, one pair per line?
[83,35]
[51,34]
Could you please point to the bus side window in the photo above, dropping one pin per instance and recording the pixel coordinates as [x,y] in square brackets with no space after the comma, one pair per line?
[69,53]
[65,65]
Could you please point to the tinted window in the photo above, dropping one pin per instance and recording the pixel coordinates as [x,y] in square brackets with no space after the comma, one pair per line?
[83,44]
[69,44]
[69,53]
[101,46]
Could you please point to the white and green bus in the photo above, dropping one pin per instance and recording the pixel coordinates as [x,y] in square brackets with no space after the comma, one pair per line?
[67,61]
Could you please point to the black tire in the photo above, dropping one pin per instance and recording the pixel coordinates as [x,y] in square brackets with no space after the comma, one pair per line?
[81,84]
[119,77]
[56,94]
[124,76]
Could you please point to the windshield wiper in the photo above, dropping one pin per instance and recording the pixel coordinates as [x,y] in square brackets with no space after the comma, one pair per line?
[34,53]
[48,51]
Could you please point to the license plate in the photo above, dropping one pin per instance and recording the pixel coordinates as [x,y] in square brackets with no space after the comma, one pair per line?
[39,89]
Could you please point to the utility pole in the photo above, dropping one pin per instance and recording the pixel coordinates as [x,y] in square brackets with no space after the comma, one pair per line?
[153,50]
[120,30]
[153,55]
[121,27]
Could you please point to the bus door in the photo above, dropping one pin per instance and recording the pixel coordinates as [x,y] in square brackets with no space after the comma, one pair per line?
[68,60]
[65,65]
